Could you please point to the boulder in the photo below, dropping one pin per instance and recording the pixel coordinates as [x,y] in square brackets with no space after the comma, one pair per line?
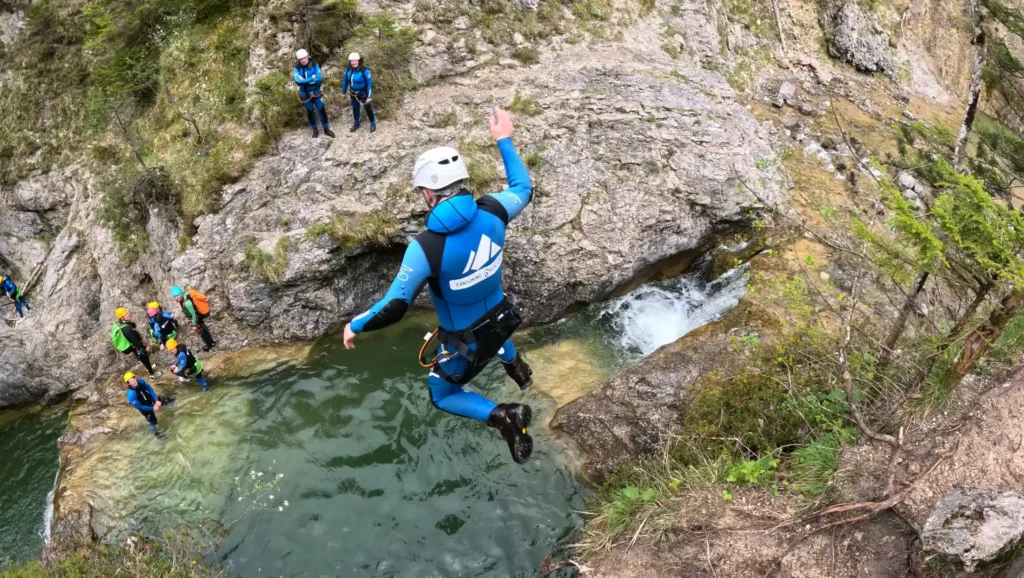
[976,526]
[856,37]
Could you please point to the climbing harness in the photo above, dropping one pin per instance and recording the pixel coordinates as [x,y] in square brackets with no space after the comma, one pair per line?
[489,334]
[298,95]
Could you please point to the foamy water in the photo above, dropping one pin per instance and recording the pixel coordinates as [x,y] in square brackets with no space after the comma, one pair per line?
[657,314]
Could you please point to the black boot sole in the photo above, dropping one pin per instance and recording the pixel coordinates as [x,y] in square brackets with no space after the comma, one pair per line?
[520,444]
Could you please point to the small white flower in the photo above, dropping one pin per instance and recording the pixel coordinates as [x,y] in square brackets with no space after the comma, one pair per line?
[279,476]
[280,508]
[259,475]
[252,473]
[239,498]
[236,478]
[271,497]
[286,503]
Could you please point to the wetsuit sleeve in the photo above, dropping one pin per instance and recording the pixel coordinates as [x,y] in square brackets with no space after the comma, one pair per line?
[154,330]
[298,79]
[344,82]
[520,189]
[410,280]
[190,310]
[182,362]
[317,75]
[369,84]
[133,400]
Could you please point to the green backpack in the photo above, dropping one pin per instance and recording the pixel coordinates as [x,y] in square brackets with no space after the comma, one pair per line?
[117,337]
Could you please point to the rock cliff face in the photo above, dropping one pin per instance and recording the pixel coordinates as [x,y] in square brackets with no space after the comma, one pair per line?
[636,158]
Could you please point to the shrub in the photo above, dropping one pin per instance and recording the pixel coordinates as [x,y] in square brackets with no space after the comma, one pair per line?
[269,267]
[324,26]
[274,105]
[125,203]
[526,55]
[374,230]
[446,120]
[525,104]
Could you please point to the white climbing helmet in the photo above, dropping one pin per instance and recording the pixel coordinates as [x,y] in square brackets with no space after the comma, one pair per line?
[301,53]
[438,168]
[354,56]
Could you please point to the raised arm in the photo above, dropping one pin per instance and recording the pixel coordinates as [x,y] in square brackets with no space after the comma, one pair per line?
[520,189]
[410,279]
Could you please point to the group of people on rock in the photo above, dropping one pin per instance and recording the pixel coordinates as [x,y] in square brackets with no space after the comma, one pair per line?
[459,258]
[163,330]
[357,84]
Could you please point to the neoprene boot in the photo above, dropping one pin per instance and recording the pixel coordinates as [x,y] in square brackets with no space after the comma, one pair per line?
[519,371]
[315,134]
[329,132]
[354,128]
[373,127]
[511,419]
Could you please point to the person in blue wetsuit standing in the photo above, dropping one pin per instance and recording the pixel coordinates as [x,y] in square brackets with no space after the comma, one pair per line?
[308,76]
[14,294]
[358,85]
[459,257]
[142,397]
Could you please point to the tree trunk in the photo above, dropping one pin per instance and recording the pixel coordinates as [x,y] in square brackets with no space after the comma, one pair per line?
[952,337]
[974,94]
[901,321]
[978,341]
[128,139]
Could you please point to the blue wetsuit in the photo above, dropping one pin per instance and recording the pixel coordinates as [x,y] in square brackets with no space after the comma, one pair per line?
[189,366]
[163,326]
[467,284]
[309,78]
[358,85]
[142,397]
[12,291]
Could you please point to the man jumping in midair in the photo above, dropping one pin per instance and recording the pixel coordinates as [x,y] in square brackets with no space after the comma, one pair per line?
[460,257]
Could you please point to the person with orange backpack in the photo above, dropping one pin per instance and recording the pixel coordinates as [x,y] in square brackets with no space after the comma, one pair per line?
[197,308]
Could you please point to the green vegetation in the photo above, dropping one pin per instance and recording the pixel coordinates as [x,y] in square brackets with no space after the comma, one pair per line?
[484,164]
[587,10]
[446,120]
[269,267]
[671,49]
[756,16]
[159,85]
[124,209]
[497,20]
[526,55]
[171,555]
[373,230]
[532,160]
[525,104]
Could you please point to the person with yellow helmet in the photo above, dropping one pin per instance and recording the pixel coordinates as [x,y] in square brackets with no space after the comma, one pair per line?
[186,365]
[126,339]
[142,397]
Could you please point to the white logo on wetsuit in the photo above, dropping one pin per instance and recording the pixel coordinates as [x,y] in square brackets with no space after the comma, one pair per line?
[484,252]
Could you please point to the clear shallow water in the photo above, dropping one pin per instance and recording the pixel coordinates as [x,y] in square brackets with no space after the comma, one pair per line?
[377,481]
[28,462]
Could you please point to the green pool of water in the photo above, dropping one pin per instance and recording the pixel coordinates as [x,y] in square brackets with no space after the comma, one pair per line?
[338,464]
[28,444]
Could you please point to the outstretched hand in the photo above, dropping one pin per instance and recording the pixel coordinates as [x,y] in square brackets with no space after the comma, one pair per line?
[501,124]
[350,337]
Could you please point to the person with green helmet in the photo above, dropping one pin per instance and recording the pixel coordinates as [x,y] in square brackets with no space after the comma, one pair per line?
[196,308]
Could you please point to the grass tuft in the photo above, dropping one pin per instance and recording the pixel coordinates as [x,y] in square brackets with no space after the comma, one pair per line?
[525,104]
[269,267]
[526,55]
[446,120]
[374,230]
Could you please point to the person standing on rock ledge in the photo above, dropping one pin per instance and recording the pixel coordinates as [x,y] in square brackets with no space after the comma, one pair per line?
[196,308]
[14,294]
[358,85]
[142,397]
[460,257]
[308,76]
[127,340]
